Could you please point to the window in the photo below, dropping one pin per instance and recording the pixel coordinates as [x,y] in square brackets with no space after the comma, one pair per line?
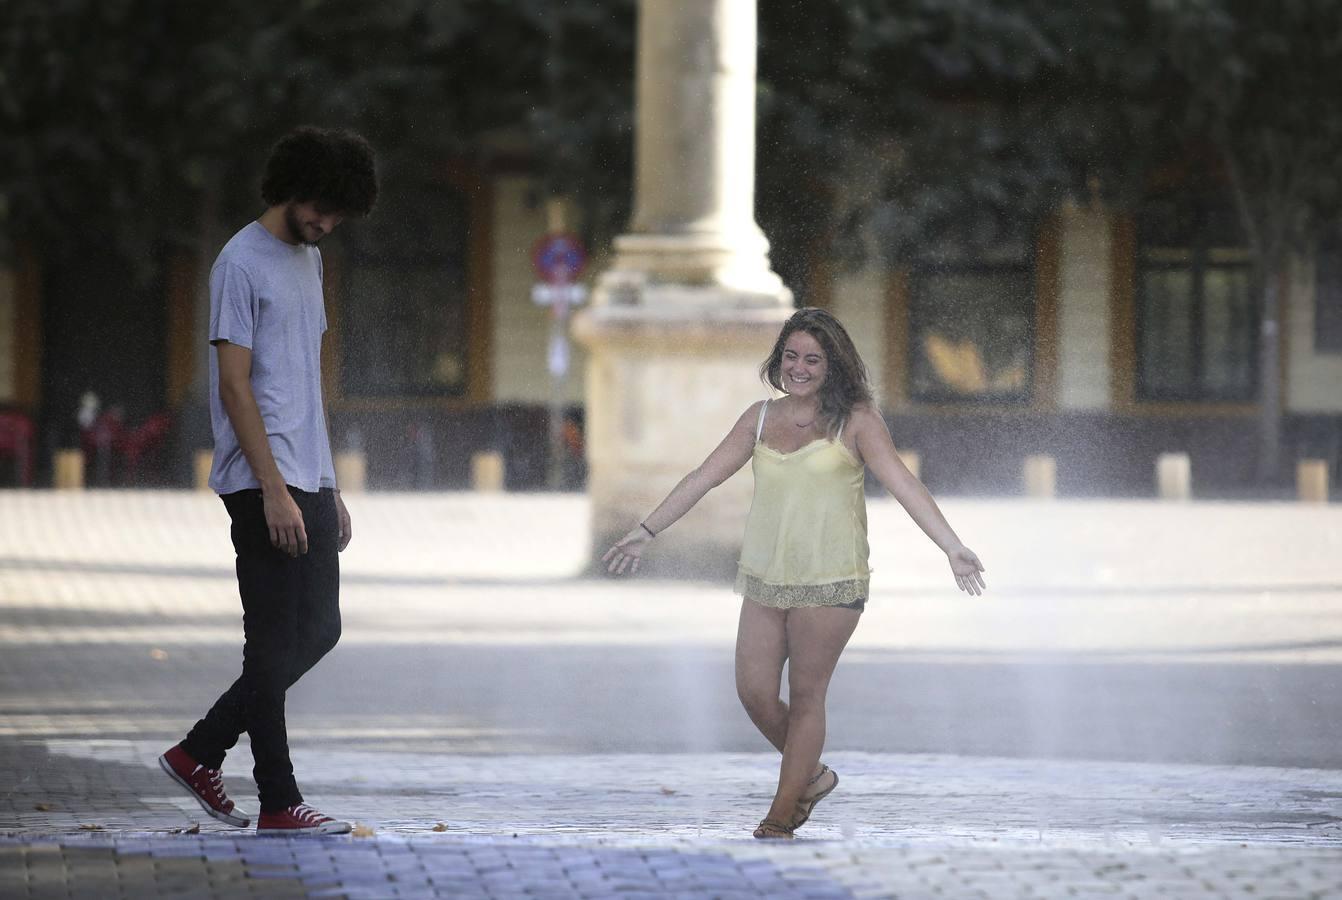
[405,328]
[971,316]
[1328,291]
[1197,316]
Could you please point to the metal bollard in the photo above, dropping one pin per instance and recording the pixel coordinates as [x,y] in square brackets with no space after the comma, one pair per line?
[1174,476]
[69,470]
[351,468]
[1041,477]
[1311,480]
[203,462]
[912,461]
[487,471]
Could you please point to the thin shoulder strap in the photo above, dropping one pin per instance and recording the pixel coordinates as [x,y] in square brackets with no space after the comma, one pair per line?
[759,426]
[839,437]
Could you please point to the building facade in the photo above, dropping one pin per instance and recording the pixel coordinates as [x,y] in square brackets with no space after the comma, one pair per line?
[1102,339]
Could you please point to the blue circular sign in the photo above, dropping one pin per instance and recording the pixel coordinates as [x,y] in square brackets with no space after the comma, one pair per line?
[558,258]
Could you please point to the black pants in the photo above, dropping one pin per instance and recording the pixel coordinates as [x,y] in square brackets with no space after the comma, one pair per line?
[290,619]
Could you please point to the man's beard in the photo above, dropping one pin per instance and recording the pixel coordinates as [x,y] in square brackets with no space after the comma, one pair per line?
[296,227]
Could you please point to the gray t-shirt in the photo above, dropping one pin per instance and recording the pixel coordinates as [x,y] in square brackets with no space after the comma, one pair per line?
[266,295]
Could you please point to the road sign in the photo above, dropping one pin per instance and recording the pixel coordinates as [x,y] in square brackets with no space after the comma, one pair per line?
[557,294]
[558,258]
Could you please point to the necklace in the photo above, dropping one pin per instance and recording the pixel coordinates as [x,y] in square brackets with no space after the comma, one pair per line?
[814,416]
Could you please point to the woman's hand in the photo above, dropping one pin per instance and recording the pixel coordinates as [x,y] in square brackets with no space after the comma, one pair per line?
[627,551]
[968,570]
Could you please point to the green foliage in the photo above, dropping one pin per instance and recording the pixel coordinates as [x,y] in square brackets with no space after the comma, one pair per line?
[992,111]
[1259,85]
[125,119]
[978,117]
[925,118]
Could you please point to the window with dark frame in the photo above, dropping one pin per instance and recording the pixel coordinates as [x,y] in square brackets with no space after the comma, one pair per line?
[1328,291]
[405,296]
[1197,314]
[972,324]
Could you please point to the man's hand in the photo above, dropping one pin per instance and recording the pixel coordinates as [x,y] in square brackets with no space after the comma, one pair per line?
[283,517]
[346,532]
[285,521]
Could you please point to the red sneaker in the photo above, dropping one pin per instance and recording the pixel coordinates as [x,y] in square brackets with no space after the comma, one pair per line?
[206,785]
[300,819]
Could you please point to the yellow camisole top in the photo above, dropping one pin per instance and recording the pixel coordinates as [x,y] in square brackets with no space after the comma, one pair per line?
[806,535]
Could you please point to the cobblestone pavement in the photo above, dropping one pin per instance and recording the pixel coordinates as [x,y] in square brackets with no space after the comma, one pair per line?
[97,815]
[1145,706]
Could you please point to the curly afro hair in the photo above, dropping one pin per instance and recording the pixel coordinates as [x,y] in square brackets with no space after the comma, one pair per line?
[330,168]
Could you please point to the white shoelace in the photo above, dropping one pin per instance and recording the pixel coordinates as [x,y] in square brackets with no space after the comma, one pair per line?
[216,779]
[307,814]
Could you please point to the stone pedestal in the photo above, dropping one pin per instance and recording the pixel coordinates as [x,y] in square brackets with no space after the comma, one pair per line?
[689,308]
[662,392]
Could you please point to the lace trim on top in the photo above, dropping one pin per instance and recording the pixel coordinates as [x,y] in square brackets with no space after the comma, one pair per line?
[792,596]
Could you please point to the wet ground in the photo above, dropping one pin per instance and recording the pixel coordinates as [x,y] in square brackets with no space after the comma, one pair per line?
[1146,704]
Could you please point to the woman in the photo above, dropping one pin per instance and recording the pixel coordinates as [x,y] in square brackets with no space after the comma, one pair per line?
[803,573]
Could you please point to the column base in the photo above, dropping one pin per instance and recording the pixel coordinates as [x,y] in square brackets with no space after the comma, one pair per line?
[665,384]
[691,270]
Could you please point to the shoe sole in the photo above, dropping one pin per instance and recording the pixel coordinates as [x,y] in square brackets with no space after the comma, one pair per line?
[328,828]
[226,818]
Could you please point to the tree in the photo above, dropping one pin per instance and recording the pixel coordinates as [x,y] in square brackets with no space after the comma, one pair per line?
[121,119]
[886,122]
[928,119]
[1255,86]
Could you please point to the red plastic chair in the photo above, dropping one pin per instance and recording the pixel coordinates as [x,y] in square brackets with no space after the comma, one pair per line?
[135,443]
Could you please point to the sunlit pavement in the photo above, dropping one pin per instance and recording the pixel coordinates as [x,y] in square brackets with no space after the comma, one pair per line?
[1146,704]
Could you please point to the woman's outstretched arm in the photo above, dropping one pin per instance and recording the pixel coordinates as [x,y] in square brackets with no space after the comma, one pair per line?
[878,451]
[721,464]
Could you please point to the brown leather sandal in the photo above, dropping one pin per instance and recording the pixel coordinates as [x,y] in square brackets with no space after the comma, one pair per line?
[773,830]
[807,804]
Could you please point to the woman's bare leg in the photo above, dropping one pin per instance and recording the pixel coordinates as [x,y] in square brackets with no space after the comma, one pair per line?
[761,649]
[816,637]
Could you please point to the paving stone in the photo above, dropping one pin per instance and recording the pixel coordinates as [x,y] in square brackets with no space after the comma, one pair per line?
[911,825]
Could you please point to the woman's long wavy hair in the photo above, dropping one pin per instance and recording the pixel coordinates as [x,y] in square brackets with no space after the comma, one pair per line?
[846,381]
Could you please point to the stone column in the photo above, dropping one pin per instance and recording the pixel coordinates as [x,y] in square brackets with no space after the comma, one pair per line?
[689,307]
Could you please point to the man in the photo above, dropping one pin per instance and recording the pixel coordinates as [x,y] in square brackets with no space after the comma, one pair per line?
[273,470]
